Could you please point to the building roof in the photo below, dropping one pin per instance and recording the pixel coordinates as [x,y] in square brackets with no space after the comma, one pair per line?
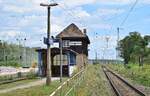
[71,31]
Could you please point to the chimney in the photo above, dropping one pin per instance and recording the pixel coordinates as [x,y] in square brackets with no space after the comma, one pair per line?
[85,31]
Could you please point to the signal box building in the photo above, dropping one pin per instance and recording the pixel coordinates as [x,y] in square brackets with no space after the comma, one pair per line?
[74,52]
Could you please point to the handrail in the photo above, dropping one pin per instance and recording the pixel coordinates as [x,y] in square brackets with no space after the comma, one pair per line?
[66,82]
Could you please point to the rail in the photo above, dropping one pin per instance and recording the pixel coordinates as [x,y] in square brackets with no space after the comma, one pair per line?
[70,86]
[123,80]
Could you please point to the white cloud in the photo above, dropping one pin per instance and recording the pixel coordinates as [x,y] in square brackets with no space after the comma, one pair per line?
[79,12]
[56,28]
[24,6]
[120,2]
[32,20]
[100,26]
[75,3]
[14,8]
[10,34]
[108,12]
[145,1]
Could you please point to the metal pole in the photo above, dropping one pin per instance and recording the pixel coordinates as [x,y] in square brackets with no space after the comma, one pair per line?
[20,55]
[118,37]
[118,34]
[61,53]
[48,80]
[4,51]
[25,54]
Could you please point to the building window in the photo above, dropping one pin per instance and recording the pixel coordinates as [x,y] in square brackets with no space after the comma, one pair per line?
[75,43]
[57,60]
[66,43]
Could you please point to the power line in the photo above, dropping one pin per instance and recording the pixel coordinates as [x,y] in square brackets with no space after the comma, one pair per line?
[127,16]
[71,13]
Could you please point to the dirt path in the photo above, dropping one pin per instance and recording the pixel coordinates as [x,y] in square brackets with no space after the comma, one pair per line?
[31,84]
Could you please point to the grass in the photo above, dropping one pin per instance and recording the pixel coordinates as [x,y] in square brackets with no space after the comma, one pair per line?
[94,84]
[41,90]
[14,84]
[139,75]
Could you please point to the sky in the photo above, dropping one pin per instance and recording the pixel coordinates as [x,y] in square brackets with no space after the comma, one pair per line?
[21,19]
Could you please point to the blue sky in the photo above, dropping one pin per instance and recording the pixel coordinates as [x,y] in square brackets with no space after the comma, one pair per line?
[26,19]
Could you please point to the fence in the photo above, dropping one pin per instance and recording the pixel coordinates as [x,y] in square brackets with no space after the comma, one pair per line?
[17,76]
[16,55]
[70,87]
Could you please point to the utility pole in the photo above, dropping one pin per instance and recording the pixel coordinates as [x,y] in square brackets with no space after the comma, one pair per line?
[118,35]
[118,38]
[61,53]
[48,71]
[25,53]
[107,46]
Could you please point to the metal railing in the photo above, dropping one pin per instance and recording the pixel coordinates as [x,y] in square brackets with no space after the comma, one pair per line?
[70,86]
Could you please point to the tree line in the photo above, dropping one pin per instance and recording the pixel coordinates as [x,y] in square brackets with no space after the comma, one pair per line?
[135,48]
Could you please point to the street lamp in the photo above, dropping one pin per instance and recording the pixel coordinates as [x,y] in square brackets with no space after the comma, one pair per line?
[48,74]
[48,5]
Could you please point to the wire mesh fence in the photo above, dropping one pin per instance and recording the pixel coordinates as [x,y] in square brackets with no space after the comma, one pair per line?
[16,55]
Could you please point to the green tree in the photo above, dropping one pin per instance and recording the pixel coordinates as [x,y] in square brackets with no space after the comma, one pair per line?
[125,50]
[133,48]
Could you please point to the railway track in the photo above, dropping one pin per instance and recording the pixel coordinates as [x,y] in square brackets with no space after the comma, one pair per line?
[120,86]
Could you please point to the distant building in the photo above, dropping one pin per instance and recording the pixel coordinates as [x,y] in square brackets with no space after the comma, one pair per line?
[75,52]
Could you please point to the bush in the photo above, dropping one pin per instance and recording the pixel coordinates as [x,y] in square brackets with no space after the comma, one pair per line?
[10,63]
[31,75]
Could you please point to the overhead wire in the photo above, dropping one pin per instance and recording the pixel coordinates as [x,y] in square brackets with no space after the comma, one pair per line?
[127,16]
[71,14]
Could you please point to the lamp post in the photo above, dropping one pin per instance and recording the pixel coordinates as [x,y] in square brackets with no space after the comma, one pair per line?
[48,74]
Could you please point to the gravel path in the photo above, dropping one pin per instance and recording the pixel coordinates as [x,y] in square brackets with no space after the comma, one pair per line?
[28,85]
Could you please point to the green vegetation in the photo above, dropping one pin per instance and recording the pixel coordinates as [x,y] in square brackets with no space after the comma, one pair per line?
[39,90]
[28,75]
[16,55]
[31,75]
[14,84]
[95,83]
[134,48]
[42,90]
[136,74]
